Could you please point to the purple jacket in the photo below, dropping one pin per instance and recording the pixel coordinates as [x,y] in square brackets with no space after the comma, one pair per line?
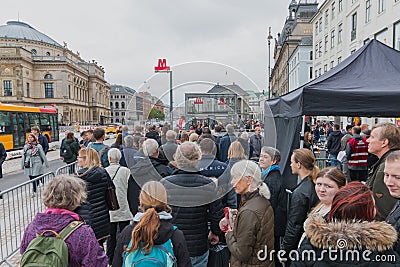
[83,248]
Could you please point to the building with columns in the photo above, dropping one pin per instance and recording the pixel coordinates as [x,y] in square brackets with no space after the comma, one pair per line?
[297,27]
[35,70]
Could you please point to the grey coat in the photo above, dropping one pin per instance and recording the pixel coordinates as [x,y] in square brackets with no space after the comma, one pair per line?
[36,161]
[120,180]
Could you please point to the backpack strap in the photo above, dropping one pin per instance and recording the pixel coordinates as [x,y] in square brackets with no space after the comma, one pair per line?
[70,228]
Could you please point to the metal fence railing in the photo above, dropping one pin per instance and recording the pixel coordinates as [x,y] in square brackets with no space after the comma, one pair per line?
[68,169]
[327,162]
[18,208]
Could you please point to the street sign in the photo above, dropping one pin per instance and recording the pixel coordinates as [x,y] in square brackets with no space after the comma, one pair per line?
[162,65]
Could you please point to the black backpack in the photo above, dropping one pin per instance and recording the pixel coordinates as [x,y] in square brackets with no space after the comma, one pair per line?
[66,151]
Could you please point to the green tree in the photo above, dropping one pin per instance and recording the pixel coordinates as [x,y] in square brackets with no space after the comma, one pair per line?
[156,114]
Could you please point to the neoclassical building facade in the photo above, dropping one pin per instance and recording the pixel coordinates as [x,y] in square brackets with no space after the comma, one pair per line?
[37,71]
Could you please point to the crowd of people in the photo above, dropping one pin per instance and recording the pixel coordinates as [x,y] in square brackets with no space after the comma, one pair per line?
[182,193]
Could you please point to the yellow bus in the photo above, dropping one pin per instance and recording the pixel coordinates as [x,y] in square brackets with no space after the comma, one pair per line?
[16,123]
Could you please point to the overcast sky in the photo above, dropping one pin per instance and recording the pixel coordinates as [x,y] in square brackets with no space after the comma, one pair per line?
[127,37]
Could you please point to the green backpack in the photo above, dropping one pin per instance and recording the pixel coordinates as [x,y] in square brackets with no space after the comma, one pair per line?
[49,250]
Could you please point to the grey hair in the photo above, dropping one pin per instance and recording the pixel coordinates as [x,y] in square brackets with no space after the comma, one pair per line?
[114,155]
[128,141]
[272,152]
[244,136]
[193,137]
[245,168]
[230,128]
[150,147]
[64,192]
[170,135]
[187,155]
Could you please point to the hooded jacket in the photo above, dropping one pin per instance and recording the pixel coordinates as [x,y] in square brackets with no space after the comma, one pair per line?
[83,249]
[253,230]
[350,239]
[334,142]
[94,210]
[165,232]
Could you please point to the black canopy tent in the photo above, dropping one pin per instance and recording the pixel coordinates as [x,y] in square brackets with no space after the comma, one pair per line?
[366,84]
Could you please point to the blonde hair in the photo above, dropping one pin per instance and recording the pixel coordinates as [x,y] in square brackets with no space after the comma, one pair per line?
[34,136]
[91,157]
[64,192]
[153,199]
[307,160]
[193,137]
[236,151]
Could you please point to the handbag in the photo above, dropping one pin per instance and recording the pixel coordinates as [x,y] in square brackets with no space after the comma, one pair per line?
[27,164]
[111,197]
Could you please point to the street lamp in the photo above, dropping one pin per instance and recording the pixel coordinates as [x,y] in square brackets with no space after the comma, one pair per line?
[269,62]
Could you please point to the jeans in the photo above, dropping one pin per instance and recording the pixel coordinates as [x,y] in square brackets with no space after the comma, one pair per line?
[334,161]
[34,184]
[200,261]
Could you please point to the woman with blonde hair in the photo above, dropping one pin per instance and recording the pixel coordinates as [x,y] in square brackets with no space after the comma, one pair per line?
[33,159]
[254,224]
[94,210]
[303,198]
[151,228]
[62,196]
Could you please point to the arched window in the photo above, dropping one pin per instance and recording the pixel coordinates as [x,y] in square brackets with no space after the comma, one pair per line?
[48,76]
[33,52]
[48,54]
[116,105]
[111,105]
[123,105]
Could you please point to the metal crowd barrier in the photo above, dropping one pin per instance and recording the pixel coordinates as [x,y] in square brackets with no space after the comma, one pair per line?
[68,169]
[18,208]
[327,162]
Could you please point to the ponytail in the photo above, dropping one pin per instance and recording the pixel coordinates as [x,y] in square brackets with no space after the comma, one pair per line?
[145,232]
[263,190]
[314,174]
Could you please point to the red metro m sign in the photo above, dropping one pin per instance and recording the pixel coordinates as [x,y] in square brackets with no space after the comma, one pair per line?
[162,65]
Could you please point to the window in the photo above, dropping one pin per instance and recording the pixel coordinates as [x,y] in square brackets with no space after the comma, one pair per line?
[326,18]
[366,41]
[316,28]
[316,51]
[123,105]
[48,76]
[111,104]
[310,72]
[319,72]
[325,68]
[116,113]
[332,63]
[383,36]
[116,105]
[28,94]
[340,29]
[326,43]
[396,39]
[339,59]
[340,6]
[333,39]
[48,90]
[311,57]
[352,51]
[354,26]
[7,88]
[367,11]
[122,113]
[48,54]
[320,48]
[381,6]
[112,113]
[320,24]
[316,73]
[33,52]
[333,10]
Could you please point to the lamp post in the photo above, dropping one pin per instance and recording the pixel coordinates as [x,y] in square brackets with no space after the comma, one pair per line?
[269,62]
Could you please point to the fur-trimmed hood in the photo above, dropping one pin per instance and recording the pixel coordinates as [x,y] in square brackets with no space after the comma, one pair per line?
[374,236]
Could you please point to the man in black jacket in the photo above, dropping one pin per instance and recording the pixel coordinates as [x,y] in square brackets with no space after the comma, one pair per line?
[334,143]
[194,201]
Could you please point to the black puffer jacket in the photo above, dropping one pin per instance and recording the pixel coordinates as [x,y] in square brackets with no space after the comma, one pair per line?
[303,199]
[193,198]
[394,220]
[334,142]
[94,210]
[165,232]
[278,201]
